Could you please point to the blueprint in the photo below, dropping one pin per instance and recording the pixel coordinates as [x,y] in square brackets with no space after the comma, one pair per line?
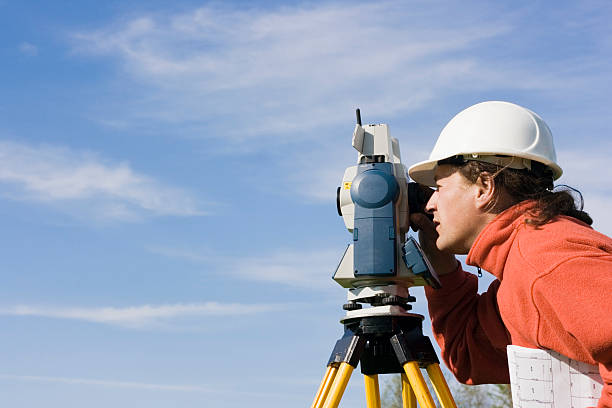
[547,379]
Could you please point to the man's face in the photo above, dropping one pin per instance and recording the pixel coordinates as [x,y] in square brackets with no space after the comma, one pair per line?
[454,210]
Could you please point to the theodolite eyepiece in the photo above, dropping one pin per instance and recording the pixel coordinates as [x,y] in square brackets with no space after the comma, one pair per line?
[418,196]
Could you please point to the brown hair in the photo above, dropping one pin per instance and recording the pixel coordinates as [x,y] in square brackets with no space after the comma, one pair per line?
[535,184]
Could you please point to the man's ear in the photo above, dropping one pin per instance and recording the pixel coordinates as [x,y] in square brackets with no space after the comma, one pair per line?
[485,191]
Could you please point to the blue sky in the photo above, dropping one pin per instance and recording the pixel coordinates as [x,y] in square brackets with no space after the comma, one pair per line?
[168,176]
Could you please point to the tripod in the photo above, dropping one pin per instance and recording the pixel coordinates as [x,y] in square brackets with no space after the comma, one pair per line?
[384,344]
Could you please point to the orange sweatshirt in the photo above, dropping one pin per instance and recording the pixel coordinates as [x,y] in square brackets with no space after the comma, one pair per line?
[553,291]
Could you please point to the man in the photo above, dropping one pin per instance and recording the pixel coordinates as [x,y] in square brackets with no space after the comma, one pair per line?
[493,168]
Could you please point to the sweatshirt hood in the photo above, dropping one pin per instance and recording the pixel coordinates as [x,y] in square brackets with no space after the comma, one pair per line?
[491,247]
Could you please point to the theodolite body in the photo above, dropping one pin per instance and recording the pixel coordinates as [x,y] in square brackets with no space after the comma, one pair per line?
[373,201]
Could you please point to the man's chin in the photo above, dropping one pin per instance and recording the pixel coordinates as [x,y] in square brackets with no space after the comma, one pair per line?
[441,244]
[450,248]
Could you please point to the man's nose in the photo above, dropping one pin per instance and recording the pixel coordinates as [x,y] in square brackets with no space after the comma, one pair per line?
[432,202]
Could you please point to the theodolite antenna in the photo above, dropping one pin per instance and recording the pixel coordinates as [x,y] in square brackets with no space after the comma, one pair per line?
[358,112]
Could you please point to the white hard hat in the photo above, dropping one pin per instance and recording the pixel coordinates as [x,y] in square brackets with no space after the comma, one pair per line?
[495,132]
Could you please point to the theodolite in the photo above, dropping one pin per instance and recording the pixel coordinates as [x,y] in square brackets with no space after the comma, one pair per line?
[378,268]
[375,201]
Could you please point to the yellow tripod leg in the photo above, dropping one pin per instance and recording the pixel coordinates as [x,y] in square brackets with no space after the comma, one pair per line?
[372,391]
[417,382]
[440,386]
[408,397]
[323,391]
[339,385]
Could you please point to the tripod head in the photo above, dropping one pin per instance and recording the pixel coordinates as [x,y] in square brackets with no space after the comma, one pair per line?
[375,201]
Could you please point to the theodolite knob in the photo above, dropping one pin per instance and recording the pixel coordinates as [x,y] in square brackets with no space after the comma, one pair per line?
[398,301]
[352,306]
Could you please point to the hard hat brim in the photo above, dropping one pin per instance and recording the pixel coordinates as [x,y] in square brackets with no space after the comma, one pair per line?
[424,172]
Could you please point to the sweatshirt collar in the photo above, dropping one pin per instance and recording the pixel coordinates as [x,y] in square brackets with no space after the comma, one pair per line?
[491,247]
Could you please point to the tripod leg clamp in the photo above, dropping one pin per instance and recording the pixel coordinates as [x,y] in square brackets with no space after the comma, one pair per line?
[348,349]
[413,348]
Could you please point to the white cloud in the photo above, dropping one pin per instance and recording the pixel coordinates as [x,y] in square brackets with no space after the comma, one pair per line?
[140,316]
[28,49]
[54,175]
[108,383]
[310,269]
[586,168]
[598,206]
[190,388]
[288,70]
[588,171]
[292,72]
